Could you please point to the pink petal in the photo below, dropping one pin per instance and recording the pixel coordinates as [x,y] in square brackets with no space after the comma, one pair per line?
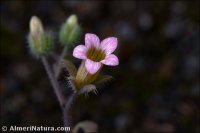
[92,40]
[109,45]
[111,60]
[80,52]
[92,66]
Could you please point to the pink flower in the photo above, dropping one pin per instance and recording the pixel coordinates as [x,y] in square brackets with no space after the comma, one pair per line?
[96,53]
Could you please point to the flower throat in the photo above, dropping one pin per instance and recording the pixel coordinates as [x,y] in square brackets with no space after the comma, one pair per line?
[95,54]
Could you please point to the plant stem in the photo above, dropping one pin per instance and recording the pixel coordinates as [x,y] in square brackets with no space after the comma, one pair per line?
[62,56]
[66,106]
[55,56]
[63,52]
[54,83]
[67,111]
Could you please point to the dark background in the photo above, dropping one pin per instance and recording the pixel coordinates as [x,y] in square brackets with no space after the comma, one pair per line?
[156,86]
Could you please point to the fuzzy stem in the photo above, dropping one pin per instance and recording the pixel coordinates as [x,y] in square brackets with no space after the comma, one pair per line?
[66,106]
[58,70]
[54,83]
[55,56]
[68,110]
[63,52]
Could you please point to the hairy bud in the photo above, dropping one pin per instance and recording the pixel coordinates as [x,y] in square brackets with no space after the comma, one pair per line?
[40,43]
[70,31]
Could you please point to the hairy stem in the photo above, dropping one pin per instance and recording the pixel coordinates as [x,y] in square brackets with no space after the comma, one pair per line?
[54,82]
[58,70]
[63,53]
[67,111]
[55,56]
[66,106]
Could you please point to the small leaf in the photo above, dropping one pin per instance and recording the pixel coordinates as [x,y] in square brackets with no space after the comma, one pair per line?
[70,67]
[88,88]
[102,79]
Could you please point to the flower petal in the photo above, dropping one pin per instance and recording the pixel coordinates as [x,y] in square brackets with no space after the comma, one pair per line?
[109,45]
[92,66]
[92,40]
[111,60]
[80,51]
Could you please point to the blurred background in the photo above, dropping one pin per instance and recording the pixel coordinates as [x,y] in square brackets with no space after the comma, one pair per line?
[156,86]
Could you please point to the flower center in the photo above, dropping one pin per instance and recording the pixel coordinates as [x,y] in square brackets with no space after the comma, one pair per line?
[95,54]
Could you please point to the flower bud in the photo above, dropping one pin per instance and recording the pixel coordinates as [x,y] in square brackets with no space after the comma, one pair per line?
[36,26]
[70,31]
[40,43]
[72,20]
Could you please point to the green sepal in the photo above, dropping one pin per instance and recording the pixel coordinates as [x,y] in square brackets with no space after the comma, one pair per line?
[71,68]
[42,45]
[69,35]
